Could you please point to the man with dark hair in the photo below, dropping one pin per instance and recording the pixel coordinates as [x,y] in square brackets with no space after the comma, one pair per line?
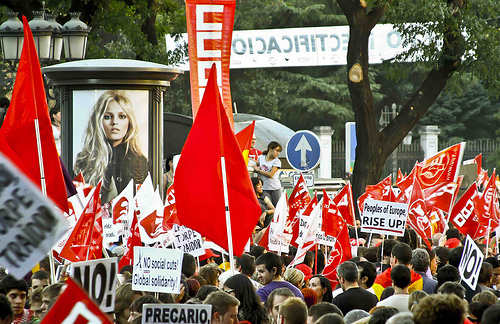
[224,307]
[491,315]
[401,278]
[320,309]
[269,267]
[385,262]
[495,280]
[246,265]
[485,277]
[293,311]
[454,259]
[188,265]
[353,296]
[420,261]
[49,293]
[452,288]
[367,275]
[17,293]
[5,310]
[275,299]
[36,303]
[40,279]
[401,254]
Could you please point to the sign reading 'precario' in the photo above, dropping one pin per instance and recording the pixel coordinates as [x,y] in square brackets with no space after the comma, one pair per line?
[176,314]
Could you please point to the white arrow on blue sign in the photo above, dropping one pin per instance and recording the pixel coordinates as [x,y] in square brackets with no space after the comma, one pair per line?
[303,151]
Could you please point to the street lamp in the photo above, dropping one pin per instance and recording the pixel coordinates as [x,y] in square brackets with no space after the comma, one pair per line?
[56,43]
[75,34]
[42,34]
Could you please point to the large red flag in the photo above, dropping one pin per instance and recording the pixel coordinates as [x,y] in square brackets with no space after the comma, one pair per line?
[18,138]
[85,241]
[340,252]
[380,191]
[418,214]
[331,221]
[74,306]
[199,187]
[463,215]
[484,204]
[299,199]
[345,205]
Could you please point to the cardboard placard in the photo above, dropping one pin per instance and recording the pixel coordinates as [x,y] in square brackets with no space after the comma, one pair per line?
[188,240]
[384,217]
[470,264]
[176,314]
[157,270]
[98,279]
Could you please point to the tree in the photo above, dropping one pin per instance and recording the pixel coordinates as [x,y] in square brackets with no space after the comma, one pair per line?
[464,39]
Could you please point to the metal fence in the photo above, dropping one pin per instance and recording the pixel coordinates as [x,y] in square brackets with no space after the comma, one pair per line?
[406,155]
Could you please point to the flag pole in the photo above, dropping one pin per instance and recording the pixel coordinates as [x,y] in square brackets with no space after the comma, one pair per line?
[488,239]
[228,214]
[282,228]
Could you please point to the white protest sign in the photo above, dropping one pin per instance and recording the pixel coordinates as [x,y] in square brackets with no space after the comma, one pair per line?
[470,264]
[97,278]
[187,240]
[384,217]
[29,223]
[176,314]
[157,270]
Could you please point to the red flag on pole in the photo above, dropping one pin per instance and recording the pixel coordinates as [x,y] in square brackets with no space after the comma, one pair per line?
[340,252]
[417,214]
[345,204]
[244,138]
[133,240]
[463,215]
[380,191]
[331,222]
[210,142]
[26,134]
[299,199]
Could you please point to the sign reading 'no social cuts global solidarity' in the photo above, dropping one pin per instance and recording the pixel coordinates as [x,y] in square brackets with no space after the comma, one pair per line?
[383,217]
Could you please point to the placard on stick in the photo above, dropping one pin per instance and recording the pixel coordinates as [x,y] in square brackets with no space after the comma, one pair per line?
[470,264]
[176,314]
[384,217]
[98,279]
[157,270]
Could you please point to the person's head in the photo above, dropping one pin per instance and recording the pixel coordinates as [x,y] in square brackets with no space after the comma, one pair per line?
[485,274]
[273,150]
[169,163]
[455,256]
[49,293]
[367,274]
[257,185]
[257,250]
[210,273]
[124,296]
[224,307]
[320,309]
[401,254]
[415,298]
[447,273]
[294,276]
[442,254]
[5,310]
[496,270]
[323,287]
[310,296]
[243,290]
[387,250]
[401,318]
[491,315]
[275,299]
[188,265]
[476,311]
[382,314]
[204,291]
[55,116]
[269,266]
[453,233]
[452,288]
[347,273]
[245,264]
[36,303]
[136,306]
[486,296]
[17,293]
[420,260]
[400,276]
[330,319]
[439,309]
[355,315]
[293,311]
[193,286]
[40,279]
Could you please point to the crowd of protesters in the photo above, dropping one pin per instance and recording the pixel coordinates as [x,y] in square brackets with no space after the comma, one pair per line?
[393,280]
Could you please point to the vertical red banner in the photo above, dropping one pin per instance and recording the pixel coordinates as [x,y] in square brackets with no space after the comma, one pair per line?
[210,31]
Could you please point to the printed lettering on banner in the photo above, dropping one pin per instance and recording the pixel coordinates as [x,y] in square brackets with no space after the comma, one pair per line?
[304,221]
[97,278]
[384,217]
[278,241]
[470,264]
[29,223]
[176,314]
[187,240]
[157,270]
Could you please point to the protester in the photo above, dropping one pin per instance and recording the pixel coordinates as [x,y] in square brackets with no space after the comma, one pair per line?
[420,262]
[495,281]
[485,277]
[204,291]
[275,299]
[439,309]
[250,308]
[385,262]
[293,311]
[123,299]
[367,275]
[264,199]
[136,306]
[491,315]
[5,310]
[323,287]
[415,298]
[269,163]
[310,296]
[353,296]
[245,264]
[355,315]
[17,293]
[382,314]
[55,120]
[50,293]
[36,303]
[40,279]
[224,307]
[189,267]
[320,309]
[211,274]
[486,296]
[476,311]
[294,276]
[401,278]
[330,319]
[269,267]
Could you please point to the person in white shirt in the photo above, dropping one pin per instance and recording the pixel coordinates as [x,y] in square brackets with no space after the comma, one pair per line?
[401,279]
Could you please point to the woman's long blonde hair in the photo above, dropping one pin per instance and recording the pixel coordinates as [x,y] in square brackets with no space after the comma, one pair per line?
[96,154]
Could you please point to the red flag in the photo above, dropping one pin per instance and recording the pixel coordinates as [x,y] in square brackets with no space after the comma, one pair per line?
[133,240]
[307,212]
[341,252]
[210,142]
[380,191]
[86,237]
[345,205]
[441,196]
[74,306]
[438,221]
[244,138]
[170,211]
[463,215]
[484,204]
[299,199]
[331,222]
[442,167]
[417,214]
[18,135]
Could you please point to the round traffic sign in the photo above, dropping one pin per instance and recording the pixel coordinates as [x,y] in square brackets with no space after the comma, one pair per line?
[303,150]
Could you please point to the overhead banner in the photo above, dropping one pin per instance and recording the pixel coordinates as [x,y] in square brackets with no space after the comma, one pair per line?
[157,270]
[29,223]
[176,314]
[97,278]
[308,46]
[210,30]
[383,217]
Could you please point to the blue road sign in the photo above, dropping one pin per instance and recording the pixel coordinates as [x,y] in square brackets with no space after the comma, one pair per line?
[303,150]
